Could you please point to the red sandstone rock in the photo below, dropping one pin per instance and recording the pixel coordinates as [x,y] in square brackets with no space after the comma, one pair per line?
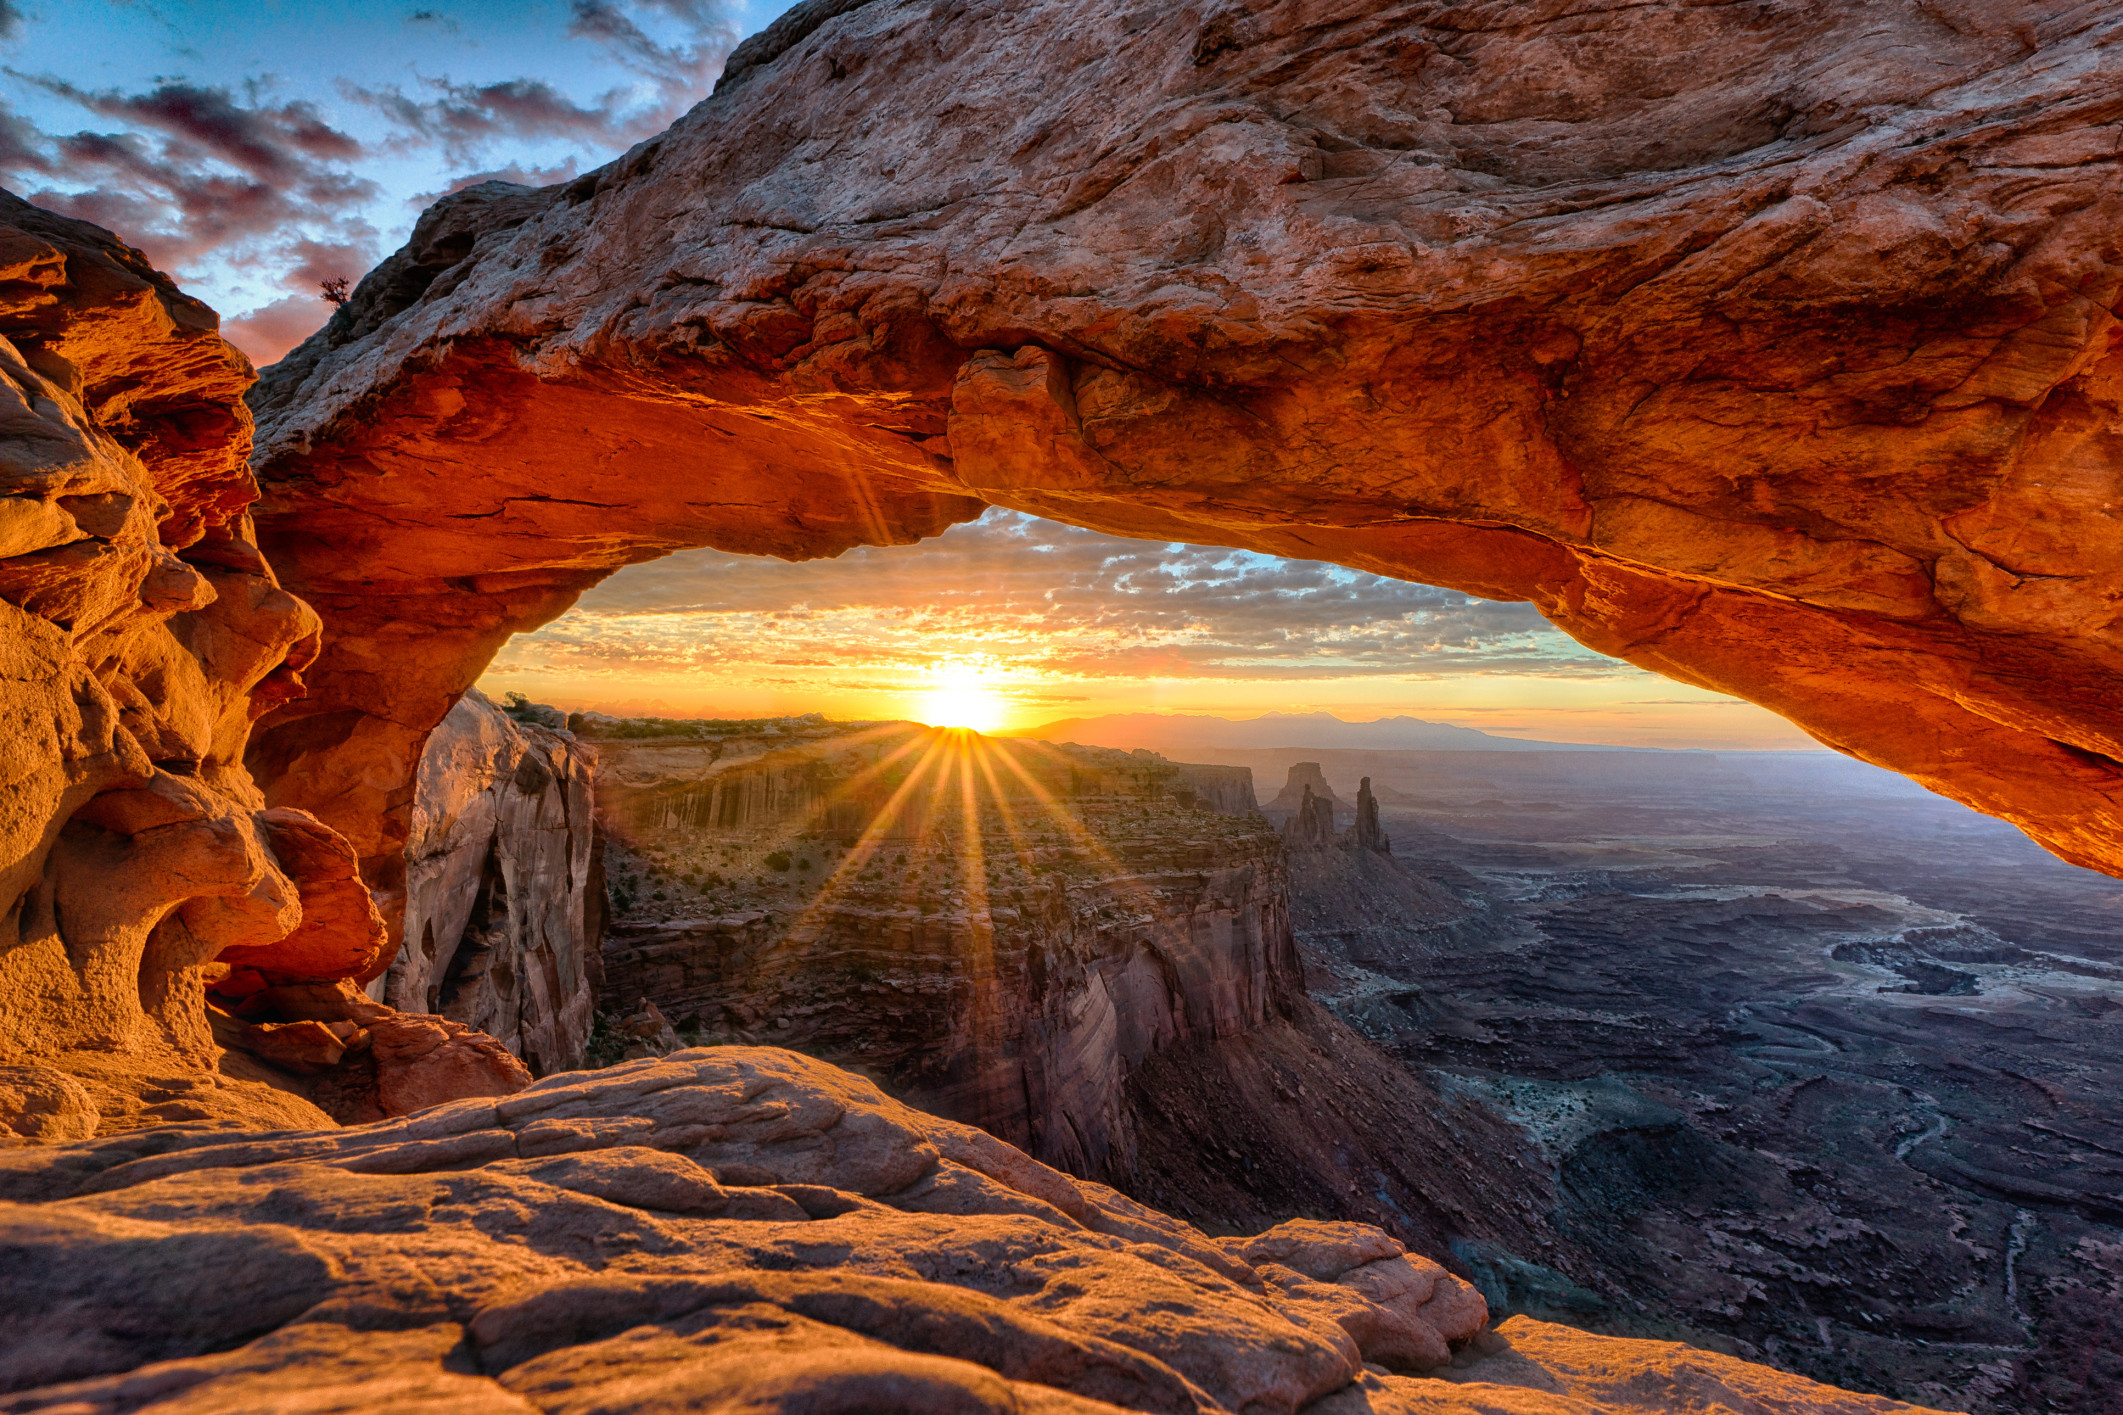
[1768,349]
[734,1229]
[141,632]
[426,1061]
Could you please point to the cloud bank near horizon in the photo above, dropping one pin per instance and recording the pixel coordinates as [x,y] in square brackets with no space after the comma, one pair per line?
[1063,622]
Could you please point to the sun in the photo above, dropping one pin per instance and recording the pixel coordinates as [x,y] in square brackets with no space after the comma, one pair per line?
[962,698]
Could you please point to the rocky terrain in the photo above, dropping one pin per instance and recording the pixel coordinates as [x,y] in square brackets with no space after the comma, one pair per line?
[739,1229]
[1812,1066]
[1771,347]
[998,931]
[1768,346]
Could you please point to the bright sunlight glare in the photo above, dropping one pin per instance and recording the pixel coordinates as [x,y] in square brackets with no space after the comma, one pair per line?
[961,698]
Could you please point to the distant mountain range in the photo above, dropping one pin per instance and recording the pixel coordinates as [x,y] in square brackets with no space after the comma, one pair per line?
[1160,731]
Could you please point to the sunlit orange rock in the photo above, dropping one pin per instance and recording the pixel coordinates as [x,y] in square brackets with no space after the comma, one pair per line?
[1768,349]
[741,1228]
[141,632]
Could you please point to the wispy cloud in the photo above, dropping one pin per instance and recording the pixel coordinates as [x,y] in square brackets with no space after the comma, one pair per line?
[1034,600]
[237,171]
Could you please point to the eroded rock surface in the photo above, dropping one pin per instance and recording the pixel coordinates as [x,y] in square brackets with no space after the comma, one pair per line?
[999,930]
[504,900]
[157,905]
[738,1228]
[142,632]
[1768,348]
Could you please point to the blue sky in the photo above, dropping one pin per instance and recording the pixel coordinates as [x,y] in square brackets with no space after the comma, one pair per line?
[255,149]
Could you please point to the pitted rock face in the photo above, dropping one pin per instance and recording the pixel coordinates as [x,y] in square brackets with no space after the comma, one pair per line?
[1770,348]
[741,1229]
[141,633]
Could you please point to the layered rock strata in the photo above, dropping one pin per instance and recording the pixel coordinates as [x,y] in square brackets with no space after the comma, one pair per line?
[740,1228]
[1769,349]
[504,908]
[1000,930]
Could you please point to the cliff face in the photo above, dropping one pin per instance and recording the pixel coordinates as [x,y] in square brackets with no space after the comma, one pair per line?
[504,903]
[177,949]
[1000,930]
[1769,349]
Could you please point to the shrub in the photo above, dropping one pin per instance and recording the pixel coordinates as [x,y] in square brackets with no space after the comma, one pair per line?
[778,862]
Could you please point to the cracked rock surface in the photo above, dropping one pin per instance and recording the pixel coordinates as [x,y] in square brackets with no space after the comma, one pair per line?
[737,1229]
[1770,347]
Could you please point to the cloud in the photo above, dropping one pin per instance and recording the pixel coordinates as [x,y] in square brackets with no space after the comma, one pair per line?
[469,120]
[237,177]
[1041,600]
[266,334]
[194,172]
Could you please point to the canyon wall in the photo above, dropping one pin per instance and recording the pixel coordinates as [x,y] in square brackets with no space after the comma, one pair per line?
[1771,349]
[1001,931]
[143,632]
[504,904]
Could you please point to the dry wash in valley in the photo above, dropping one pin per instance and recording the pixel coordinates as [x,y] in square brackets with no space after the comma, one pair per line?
[1768,346]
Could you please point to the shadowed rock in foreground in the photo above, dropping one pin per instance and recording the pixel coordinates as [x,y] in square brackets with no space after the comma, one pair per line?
[738,1229]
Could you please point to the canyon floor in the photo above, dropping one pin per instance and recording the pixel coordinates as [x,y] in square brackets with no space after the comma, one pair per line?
[1773,1054]
[1819,1067]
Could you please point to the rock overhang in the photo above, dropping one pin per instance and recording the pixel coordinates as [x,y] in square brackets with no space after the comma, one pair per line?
[1743,344]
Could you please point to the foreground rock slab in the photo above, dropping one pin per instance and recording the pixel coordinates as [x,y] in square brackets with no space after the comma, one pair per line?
[736,1229]
[1769,348]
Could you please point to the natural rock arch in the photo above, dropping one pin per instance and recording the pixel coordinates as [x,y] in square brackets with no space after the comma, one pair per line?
[1768,347]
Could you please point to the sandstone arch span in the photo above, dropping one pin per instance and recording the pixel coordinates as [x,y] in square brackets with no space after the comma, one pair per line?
[1770,346]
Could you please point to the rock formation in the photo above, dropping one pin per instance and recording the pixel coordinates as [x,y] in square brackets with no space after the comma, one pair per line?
[174,948]
[1311,825]
[504,909]
[1305,778]
[1367,833]
[1000,930]
[740,1229]
[1770,349]
[143,632]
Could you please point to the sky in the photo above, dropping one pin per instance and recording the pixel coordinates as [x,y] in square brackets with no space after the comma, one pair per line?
[255,148]
[258,149]
[1046,621]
